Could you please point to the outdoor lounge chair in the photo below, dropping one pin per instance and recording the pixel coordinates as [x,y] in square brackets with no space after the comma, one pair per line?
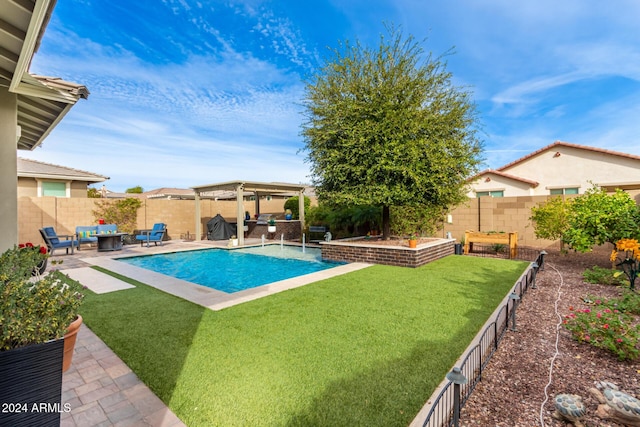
[155,235]
[53,240]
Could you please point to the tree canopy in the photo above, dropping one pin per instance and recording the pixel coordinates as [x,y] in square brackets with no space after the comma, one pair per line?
[387,127]
[135,190]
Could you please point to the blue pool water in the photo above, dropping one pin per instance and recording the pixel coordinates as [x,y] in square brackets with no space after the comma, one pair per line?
[235,270]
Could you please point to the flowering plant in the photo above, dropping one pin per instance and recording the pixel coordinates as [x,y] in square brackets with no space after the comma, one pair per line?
[604,327]
[41,249]
[413,236]
[626,256]
[21,261]
[34,310]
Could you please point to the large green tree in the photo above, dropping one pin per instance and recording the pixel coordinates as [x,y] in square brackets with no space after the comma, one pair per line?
[387,127]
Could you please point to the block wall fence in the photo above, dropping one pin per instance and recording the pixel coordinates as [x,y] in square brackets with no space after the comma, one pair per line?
[66,213]
[483,214]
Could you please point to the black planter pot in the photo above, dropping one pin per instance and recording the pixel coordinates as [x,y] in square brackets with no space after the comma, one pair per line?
[31,385]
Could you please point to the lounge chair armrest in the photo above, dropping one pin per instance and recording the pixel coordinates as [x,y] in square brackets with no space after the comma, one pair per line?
[66,236]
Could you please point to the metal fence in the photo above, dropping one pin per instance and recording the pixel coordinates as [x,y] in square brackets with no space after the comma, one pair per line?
[443,411]
[502,251]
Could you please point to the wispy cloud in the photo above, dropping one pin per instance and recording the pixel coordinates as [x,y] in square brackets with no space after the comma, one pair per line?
[211,90]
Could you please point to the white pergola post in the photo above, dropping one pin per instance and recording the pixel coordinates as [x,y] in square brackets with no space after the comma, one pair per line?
[301,210]
[240,214]
[198,218]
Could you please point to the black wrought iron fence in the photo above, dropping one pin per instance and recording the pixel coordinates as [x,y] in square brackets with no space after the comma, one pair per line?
[443,411]
[502,251]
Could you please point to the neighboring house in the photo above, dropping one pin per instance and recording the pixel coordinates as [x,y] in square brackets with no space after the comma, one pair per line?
[38,179]
[559,168]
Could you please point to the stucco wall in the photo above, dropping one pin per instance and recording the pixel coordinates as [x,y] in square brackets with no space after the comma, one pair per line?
[28,187]
[562,167]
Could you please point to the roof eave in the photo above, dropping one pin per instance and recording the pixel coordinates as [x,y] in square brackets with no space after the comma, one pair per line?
[41,12]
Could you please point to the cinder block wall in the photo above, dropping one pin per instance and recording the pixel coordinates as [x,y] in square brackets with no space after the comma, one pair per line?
[507,214]
[483,214]
[66,213]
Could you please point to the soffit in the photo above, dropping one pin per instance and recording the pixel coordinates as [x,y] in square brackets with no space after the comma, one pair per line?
[42,101]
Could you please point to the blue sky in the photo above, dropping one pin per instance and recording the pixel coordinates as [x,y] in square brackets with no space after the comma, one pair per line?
[187,92]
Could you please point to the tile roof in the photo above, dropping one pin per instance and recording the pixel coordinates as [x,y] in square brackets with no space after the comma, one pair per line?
[568,144]
[505,175]
[36,169]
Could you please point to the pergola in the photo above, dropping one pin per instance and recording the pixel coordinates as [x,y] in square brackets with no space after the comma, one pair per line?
[240,187]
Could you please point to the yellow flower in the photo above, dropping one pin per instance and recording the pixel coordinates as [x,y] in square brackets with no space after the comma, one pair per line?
[614,255]
[627,245]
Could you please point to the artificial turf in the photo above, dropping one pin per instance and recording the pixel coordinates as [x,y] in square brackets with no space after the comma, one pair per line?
[365,348]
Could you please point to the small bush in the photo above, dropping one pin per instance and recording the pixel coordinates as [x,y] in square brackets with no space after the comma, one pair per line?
[628,303]
[603,276]
[605,328]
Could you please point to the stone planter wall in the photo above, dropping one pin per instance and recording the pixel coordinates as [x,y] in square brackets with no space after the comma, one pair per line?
[290,229]
[403,256]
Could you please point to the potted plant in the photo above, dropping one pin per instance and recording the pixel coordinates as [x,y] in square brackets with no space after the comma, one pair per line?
[413,240]
[35,318]
[233,241]
[271,227]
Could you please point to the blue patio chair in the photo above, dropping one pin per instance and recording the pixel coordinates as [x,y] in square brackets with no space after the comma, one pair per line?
[155,235]
[53,240]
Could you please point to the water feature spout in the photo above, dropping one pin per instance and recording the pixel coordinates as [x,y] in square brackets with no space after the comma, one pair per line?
[327,236]
[263,240]
[282,241]
[303,237]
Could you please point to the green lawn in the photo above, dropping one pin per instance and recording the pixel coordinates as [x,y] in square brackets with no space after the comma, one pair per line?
[366,348]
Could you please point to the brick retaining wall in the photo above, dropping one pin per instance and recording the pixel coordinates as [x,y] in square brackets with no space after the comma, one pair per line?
[358,251]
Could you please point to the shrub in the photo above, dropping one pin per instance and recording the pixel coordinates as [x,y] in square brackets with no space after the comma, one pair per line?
[34,311]
[123,212]
[603,276]
[628,303]
[605,328]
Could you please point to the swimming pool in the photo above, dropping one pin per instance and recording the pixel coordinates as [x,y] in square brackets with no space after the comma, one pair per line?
[235,270]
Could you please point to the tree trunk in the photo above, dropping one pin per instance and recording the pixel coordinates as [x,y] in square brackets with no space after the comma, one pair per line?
[386,223]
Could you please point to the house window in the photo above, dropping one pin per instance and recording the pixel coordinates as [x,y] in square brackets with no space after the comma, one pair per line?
[490,193]
[561,191]
[54,188]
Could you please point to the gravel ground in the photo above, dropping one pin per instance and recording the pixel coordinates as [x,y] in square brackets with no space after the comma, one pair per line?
[526,372]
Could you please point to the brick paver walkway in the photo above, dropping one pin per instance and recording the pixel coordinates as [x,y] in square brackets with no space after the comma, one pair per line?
[102,391]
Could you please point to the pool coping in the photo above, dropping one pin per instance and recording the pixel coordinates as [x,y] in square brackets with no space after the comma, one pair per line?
[207,297]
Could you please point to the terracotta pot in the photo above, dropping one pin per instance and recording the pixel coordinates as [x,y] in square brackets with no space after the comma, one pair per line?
[70,342]
[413,243]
